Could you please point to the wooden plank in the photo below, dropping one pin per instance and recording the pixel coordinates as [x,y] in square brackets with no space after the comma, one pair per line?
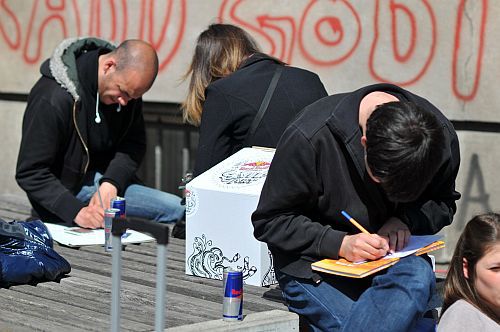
[143,272]
[71,316]
[81,302]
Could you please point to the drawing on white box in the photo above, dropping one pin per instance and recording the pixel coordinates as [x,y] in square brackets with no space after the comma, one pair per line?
[269,276]
[244,173]
[209,262]
[191,202]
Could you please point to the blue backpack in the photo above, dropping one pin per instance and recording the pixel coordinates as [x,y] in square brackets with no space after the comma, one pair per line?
[27,254]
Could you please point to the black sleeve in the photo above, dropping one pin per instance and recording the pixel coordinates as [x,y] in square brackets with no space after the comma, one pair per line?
[288,199]
[129,153]
[44,128]
[437,206]
[215,131]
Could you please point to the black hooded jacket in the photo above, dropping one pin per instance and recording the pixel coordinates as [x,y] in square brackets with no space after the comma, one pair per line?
[54,155]
[232,102]
[318,170]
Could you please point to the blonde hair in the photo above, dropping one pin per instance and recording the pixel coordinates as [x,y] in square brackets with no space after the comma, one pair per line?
[219,52]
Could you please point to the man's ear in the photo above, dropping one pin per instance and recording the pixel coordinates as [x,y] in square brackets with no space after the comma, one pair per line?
[109,65]
[465,267]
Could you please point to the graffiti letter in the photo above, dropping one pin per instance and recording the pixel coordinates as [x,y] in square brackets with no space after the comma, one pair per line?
[335,35]
[396,29]
[482,197]
[9,26]
[39,22]
[466,67]
[172,20]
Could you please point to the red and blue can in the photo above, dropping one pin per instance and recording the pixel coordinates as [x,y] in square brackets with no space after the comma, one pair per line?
[119,203]
[232,307]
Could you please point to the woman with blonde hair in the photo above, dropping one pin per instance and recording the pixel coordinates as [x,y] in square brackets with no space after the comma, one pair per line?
[231,82]
[472,286]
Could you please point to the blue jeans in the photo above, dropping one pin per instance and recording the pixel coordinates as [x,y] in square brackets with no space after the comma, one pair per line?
[141,201]
[394,301]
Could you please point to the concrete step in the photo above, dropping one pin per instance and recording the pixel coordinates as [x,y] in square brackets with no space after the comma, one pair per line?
[267,321]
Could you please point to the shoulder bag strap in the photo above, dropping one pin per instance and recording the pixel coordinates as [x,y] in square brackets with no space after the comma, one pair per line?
[264,104]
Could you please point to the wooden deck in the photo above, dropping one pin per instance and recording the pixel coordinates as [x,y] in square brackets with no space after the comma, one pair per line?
[81,301]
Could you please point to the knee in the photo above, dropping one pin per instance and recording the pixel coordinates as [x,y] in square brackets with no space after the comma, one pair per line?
[419,271]
[421,266]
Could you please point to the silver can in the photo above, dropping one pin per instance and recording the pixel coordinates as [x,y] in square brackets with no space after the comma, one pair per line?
[109,215]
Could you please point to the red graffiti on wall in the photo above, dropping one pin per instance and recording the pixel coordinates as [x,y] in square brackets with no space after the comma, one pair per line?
[396,43]
[457,50]
[107,19]
[15,42]
[415,62]
[403,37]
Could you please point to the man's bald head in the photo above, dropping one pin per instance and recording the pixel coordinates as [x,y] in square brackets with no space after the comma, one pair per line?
[137,55]
[127,72]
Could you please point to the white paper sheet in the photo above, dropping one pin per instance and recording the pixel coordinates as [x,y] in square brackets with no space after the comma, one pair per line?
[78,237]
[416,242]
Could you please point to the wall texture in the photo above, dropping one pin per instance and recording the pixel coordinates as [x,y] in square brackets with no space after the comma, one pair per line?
[443,50]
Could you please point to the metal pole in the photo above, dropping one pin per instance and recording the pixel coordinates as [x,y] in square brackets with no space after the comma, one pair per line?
[115,285]
[160,287]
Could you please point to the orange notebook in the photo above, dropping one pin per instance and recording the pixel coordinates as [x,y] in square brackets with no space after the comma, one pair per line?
[345,268]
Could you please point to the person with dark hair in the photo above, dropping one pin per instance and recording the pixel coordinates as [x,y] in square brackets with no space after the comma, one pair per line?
[229,79]
[472,286]
[390,159]
[84,124]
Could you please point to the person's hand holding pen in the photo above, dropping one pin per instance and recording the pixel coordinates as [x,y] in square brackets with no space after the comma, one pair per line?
[362,246]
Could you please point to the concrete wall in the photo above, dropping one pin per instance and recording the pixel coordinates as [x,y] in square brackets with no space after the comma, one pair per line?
[11,115]
[443,50]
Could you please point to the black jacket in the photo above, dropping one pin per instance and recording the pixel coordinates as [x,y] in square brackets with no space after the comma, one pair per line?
[232,102]
[318,171]
[54,153]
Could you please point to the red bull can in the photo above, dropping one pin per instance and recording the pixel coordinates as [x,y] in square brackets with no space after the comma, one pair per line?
[109,215]
[119,203]
[232,306]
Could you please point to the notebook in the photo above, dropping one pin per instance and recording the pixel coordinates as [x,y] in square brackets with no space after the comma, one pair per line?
[418,245]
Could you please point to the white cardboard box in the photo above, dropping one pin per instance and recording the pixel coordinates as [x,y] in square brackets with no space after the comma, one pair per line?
[219,231]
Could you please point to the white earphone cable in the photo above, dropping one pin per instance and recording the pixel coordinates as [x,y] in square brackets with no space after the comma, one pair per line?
[97,115]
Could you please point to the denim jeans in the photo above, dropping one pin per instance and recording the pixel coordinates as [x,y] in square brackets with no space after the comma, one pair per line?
[141,201]
[395,300]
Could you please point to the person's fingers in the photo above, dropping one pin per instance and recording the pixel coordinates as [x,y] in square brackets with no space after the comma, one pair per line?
[393,239]
[401,239]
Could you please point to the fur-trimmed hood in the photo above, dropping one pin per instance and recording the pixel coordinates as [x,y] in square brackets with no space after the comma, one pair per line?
[62,64]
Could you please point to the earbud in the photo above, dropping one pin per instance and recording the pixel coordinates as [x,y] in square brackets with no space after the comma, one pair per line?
[119,108]
[97,117]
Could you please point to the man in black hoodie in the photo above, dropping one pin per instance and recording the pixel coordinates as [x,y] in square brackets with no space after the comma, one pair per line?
[83,125]
[387,157]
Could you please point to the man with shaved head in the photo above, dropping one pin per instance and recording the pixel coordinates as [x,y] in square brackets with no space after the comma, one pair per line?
[83,129]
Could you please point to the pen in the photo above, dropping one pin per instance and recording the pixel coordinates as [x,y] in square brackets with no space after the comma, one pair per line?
[354,222]
[98,192]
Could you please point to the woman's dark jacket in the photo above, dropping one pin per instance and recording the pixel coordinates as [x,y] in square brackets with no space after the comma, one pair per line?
[54,155]
[232,102]
[318,170]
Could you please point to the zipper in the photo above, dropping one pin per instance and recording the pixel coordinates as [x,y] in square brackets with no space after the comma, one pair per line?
[81,139]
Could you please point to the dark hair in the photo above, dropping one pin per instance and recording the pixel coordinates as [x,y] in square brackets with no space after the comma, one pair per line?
[404,146]
[219,51]
[479,235]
